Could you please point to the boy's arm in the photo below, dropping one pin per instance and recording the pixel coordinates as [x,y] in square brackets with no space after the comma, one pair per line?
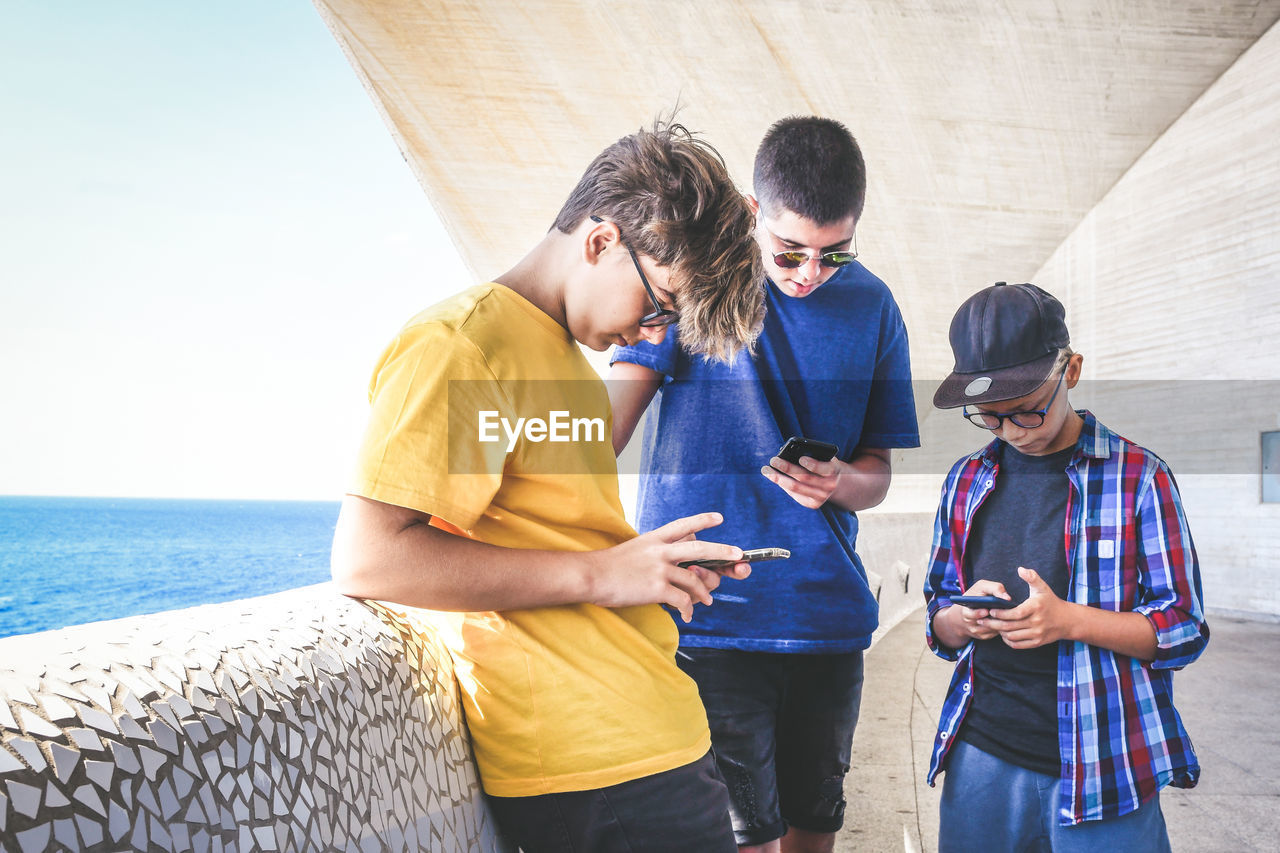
[858,484]
[631,388]
[1169,574]
[942,580]
[392,553]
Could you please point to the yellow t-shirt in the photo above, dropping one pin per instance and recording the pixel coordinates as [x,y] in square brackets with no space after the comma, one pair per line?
[557,698]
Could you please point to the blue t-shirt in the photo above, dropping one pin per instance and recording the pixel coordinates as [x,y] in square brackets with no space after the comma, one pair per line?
[833,366]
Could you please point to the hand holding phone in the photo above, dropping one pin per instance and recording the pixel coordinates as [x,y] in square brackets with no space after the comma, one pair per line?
[757,555]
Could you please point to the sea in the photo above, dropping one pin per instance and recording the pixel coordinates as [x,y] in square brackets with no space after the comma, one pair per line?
[67,561]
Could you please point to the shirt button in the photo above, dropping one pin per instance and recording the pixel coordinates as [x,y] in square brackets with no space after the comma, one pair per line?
[942,735]
[965,688]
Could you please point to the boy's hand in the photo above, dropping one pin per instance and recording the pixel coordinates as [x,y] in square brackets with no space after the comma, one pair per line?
[967,622]
[644,571]
[1042,619]
[809,483]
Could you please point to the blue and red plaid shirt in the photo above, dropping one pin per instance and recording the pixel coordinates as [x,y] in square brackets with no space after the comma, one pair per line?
[1129,549]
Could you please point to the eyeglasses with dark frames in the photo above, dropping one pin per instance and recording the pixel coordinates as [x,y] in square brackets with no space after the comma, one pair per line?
[794,258]
[659,316]
[1026,420]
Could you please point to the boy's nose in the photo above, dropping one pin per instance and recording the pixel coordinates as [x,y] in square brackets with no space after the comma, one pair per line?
[811,270]
[653,334]
[1010,431]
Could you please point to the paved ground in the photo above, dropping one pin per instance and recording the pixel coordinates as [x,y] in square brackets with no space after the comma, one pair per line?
[1229,701]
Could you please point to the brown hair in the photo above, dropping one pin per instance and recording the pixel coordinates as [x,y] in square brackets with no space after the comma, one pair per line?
[813,167]
[671,196]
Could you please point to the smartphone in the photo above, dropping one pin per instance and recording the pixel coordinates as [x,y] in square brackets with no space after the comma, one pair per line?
[986,602]
[756,555]
[797,446]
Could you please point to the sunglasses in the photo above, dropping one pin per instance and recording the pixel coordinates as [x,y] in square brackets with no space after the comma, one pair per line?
[794,259]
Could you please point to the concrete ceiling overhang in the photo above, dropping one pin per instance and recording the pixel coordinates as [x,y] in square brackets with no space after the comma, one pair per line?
[988,133]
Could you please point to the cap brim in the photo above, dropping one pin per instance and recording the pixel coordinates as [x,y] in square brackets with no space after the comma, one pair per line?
[993,386]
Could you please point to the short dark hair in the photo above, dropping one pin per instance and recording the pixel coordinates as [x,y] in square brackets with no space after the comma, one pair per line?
[671,196]
[812,167]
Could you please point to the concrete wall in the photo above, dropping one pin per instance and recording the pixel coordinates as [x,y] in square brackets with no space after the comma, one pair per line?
[1172,289]
[297,721]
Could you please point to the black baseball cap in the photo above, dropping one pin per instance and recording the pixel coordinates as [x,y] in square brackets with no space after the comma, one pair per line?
[1006,339]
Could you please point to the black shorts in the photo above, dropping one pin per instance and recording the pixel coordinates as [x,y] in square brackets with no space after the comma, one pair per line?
[685,810]
[782,731]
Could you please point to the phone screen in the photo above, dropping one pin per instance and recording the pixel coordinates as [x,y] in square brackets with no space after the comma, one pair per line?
[797,446]
[990,602]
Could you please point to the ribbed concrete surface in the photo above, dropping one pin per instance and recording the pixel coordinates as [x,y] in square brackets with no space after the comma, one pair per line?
[1229,701]
[988,134]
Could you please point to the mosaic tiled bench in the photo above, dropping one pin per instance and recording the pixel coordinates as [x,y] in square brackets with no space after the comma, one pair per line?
[297,721]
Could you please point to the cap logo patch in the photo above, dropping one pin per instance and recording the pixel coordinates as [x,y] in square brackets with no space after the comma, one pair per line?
[977,386]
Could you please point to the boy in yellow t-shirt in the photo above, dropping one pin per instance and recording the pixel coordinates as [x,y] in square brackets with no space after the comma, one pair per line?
[486,485]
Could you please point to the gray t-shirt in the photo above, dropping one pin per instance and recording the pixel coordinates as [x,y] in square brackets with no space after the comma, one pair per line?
[1022,522]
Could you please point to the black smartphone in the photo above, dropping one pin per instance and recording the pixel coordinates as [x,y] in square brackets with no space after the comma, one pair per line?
[756,555]
[796,446]
[986,602]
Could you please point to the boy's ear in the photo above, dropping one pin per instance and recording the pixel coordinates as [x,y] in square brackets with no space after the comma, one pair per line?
[600,236]
[1074,365]
[752,203]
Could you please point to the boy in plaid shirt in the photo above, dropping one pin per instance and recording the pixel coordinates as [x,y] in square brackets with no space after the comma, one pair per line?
[1059,729]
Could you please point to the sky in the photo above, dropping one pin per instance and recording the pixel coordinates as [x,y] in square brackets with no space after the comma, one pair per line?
[207,235]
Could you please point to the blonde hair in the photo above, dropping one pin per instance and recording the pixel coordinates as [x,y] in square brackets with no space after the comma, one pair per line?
[671,196]
[1064,356]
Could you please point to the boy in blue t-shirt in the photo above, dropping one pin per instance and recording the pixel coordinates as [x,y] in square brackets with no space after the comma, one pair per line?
[779,661]
[1059,729]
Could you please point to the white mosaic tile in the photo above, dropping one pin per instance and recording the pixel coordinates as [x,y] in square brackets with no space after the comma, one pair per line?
[35,840]
[25,798]
[85,739]
[346,704]
[56,709]
[35,725]
[130,728]
[99,773]
[9,762]
[29,752]
[53,798]
[87,796]
[16,692]
[98,696]
[91,831]
[64,761]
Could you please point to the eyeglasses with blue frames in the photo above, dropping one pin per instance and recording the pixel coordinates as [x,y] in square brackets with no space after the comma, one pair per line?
[1026,420]
[794,258]
[659,316]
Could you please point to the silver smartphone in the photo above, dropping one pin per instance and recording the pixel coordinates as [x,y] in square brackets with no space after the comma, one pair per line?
[755,555]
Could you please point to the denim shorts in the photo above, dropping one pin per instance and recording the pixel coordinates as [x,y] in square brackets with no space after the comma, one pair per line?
[685,810]
[992,806]
[782,731]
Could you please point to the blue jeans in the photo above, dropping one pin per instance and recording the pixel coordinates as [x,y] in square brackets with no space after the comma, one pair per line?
[782,731]
[992,806]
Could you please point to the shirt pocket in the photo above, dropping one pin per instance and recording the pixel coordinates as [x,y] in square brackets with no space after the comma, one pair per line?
[1109,554]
